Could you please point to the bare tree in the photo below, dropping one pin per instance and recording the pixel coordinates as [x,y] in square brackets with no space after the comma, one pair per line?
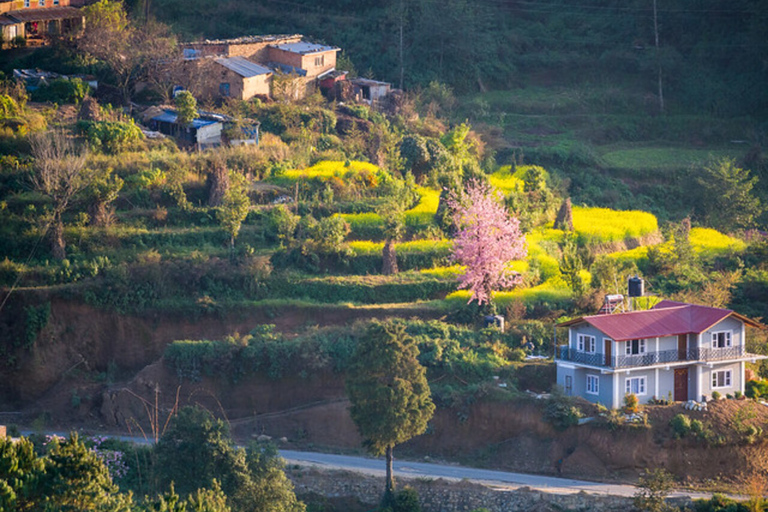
[132,53]
[59,174]
[163,65]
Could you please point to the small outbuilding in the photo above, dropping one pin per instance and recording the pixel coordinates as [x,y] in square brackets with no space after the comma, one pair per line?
[370,90]
[201,133]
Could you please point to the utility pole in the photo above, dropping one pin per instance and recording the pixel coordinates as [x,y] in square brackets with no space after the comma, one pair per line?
[658,61]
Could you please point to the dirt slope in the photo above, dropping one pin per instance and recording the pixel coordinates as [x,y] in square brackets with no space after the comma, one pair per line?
[78,338]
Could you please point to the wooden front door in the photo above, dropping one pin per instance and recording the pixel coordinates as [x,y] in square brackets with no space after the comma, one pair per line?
[682,347]
[607,352]
[681,384]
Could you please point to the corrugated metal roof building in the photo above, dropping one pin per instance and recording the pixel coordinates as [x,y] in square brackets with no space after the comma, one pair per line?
[674,351]
[201,132]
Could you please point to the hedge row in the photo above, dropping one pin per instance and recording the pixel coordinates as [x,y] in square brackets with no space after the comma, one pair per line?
[334,289]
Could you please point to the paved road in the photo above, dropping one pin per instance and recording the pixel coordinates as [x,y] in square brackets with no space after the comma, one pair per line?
[501,479]
[408,469]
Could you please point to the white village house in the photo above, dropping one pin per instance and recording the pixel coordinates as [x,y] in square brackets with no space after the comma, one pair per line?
[677,350]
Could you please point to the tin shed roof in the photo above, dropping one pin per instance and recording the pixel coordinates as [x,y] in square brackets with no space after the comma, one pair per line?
[667,318]
[170,117]
[243,67]
[305,48]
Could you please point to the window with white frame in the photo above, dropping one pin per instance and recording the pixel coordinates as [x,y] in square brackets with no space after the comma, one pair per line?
[635,347]
[721,379]
[26,3]
[721,339]
[586,343]
[42,3]
[593,384]
[55,2]
[635,385]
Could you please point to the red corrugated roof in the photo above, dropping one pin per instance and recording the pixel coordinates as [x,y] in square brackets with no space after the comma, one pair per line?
[667,318]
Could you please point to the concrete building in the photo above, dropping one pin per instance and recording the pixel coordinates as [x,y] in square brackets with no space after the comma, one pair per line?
[677,350]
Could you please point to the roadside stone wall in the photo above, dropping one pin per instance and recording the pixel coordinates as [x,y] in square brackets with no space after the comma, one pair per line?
[449,496]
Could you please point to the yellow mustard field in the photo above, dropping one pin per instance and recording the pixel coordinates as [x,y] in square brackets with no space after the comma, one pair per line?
[606,225]
[329,169]
[711,242]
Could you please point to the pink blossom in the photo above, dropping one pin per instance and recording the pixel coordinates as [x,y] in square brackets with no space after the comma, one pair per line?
[488,240]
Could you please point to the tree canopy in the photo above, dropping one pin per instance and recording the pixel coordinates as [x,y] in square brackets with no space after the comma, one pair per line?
[388,388]
[487,241]
[727,199]
[196,452]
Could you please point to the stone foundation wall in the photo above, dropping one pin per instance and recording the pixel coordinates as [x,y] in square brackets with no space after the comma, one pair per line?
[449,496]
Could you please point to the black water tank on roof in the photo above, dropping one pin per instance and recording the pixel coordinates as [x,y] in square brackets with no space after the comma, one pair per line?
[636,287]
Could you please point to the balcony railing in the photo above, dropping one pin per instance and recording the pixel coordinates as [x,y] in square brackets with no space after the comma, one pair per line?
[566,353]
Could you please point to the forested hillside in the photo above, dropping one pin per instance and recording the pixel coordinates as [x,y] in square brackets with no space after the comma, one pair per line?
[148,269]
[713,53]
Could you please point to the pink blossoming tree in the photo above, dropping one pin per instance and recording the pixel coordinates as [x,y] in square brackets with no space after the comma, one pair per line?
[488,239]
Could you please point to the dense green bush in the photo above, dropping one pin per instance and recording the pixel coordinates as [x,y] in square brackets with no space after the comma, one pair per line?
[410,288]
[62,90]
[720,503]
[280,118]
[756,388]
[562,412]
[262,352]
[681,425]
[110,136]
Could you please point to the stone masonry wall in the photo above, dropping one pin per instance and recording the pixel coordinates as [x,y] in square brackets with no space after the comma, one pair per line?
[450,496]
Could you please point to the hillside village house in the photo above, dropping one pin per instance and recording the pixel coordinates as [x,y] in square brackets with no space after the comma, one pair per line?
[247,65]
[674,349]
[239,78]
[37,20]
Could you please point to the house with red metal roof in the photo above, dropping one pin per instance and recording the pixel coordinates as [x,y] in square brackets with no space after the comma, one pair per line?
[677,350]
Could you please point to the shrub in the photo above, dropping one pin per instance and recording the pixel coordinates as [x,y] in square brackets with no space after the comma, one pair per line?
[654,486]
[562,413]
[9,107]
[631,403]
[406,500]
[716,395]
[517,355]
[681,425]
[110,136]
[62,90]
[756,388]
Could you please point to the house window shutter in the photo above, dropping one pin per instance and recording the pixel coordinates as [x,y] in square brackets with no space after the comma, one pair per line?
[714,340]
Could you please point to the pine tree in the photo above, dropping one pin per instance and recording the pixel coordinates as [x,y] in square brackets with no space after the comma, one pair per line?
[391,400]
